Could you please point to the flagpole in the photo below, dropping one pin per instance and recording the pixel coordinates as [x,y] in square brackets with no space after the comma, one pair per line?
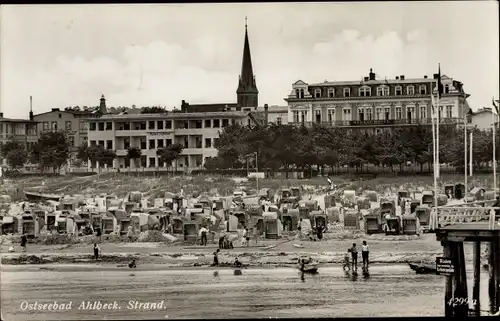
[438,119]
[433,113]
[494,153]
[465,151]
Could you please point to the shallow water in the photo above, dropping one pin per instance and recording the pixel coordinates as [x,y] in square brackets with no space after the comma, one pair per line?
[281,292]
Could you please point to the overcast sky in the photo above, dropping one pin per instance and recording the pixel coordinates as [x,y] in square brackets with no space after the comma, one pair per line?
[68,55]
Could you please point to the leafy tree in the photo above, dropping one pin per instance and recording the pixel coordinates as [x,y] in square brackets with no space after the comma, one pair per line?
[152,110]
[15,153]
[169,154]
[51,151]
[134,154]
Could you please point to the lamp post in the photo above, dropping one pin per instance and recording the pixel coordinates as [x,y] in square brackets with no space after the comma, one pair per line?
[256,167]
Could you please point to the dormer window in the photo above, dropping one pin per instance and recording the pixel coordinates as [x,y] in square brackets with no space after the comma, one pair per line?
[331,92]
[383,91]
[422,89]
[399,90]
[347,92]
[317,93]
[410,90]
[302,94]
[446,89]
[365,91]
[297,93]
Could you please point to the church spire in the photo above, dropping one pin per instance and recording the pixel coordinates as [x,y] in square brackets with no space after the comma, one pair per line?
[247,91]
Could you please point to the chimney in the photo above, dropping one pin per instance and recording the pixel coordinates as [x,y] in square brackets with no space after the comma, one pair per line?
[31,108]
[425,76]
[1,115]
[366,78]
[266,114]
[56,109]
[402,77]
[372,74]
[436,76]
[397,77]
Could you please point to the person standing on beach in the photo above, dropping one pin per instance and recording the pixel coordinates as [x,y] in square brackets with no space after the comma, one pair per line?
[364,254]
[354,255]
[216,258]
[24,241]
[203,234]
[346,267]
[247,236]
[299,227]
[96,251]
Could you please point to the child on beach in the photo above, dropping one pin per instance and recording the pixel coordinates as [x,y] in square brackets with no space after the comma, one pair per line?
[346,265]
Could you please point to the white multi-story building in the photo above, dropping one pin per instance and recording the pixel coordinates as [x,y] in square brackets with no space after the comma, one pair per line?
[375,103]
[196,131]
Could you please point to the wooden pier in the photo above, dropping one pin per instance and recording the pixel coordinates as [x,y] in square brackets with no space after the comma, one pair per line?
[475,223]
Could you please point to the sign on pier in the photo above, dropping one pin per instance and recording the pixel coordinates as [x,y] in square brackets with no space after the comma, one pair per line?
[445,266]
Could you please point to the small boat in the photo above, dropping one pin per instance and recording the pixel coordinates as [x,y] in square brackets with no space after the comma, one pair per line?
[423,268]
[35,196]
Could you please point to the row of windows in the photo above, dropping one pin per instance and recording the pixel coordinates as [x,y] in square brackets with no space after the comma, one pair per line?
[155,143]
[198,162]
[161,124]
[18,129]
[68,125]
[365,91]
[367,114]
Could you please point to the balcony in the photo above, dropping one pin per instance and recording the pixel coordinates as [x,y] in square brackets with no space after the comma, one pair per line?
[381,123]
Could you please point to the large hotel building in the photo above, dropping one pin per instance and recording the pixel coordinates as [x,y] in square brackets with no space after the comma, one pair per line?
[375,103]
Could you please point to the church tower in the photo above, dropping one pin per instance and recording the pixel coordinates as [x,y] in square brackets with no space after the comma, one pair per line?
[102,105]
[247,92]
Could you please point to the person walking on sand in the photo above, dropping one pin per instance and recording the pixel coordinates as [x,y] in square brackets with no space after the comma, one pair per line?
[299,227]
[364,254]
[244,237]
[96,251]
[247,237]
[24,241]
[216,258]
[346,267]
[203,234]
[354,255]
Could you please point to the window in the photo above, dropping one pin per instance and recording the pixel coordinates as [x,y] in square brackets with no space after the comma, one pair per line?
[152,162]
[159,124]
[302,93]
[84,125]
[279,120]
[54,125]
[378,113]
[186,142]
[216,123]
[151,124]
[67,125]
[208,123]
[46,126]
[346,114]
[92,143]
[383,91]
[387,113]
[297,93]
[71,140]
[361,114]
[208,142]
[225,122]
[233,122]
[142,125]
[100,127]
[109,125]
[198,124]
[152,144]
[126,143]
[109,144]
[168,124]
[446,89]
[422,90]
[318,116]
[410,90]
[331,92]
[331,115]
[423,112]
[449,111]
[399,114]
[143,143]
[398,90]
[317,93]
[364,91]
[160,143]
[369,114]
[101,143]
[410,112]
[295,116]
[304,116]
[347,92]
[168,142]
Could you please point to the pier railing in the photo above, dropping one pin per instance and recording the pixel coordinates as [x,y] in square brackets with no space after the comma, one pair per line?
[479,211]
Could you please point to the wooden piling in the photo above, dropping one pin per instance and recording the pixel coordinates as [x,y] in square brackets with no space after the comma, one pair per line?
[461,306]
[476,305]
[491,276]
[448,295]
[497,274]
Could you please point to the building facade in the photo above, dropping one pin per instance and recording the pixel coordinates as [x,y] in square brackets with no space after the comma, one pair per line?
[373,103]
[22,130]
[197,132]
[482,119]
[74,122]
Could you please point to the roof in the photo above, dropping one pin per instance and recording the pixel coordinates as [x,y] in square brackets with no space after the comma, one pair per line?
[374,82]
[13,120]
[73,112]
[224,114]
[273,109]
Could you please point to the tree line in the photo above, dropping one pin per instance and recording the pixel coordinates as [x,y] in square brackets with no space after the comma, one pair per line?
[288,147]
